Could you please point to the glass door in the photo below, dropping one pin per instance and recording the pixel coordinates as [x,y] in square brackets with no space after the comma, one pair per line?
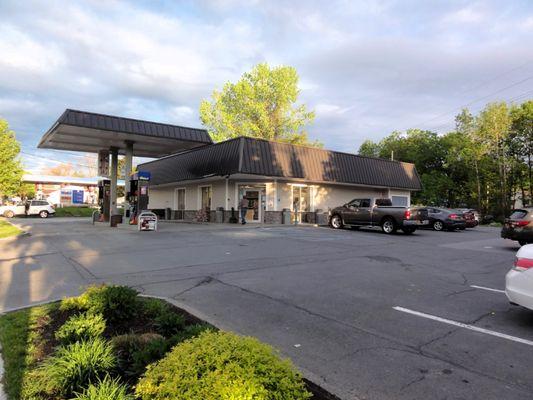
[254,210]
[301,203]
[179,203]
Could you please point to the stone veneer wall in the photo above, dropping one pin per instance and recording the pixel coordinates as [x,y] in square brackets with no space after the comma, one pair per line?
[269,217]
[272,217]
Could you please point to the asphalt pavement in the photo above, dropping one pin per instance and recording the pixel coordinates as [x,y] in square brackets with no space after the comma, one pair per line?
[363,314]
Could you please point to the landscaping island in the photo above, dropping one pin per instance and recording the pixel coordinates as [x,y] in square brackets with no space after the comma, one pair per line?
[8,230]
[109,343]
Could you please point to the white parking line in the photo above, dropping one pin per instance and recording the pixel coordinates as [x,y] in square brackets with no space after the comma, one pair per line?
[465,326]
[488,288]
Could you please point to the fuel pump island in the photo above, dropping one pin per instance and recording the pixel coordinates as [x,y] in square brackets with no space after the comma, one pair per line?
[109,136]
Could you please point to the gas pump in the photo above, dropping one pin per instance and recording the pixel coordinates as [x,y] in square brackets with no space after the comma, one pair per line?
[138,194]
[104,191]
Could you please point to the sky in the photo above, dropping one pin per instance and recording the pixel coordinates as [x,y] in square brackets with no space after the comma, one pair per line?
[366,67]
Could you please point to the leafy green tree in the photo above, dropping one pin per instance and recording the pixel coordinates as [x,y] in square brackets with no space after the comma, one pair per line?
[11,173]
[494,124]
[521,142]
[262,104]
[370,149]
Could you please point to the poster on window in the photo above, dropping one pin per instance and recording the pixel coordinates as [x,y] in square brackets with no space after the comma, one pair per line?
[103,163]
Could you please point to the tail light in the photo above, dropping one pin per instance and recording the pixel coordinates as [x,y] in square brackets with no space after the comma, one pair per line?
[453,216]
[519,224]
[407,214]
[522,264]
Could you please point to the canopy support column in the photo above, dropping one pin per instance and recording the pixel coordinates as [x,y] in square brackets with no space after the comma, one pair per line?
[128,164]
[114,174]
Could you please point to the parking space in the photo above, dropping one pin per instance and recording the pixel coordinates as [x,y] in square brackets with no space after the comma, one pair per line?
[364,314]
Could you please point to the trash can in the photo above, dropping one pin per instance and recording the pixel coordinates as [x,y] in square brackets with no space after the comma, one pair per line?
[168,213]
[286,216]
[115,220]
[219,215]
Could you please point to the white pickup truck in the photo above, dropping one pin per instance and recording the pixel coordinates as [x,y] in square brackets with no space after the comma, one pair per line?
[378,212]
[42,208]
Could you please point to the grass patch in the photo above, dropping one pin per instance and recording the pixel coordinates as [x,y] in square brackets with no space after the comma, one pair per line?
[8,230]
[23,344]
[74,212]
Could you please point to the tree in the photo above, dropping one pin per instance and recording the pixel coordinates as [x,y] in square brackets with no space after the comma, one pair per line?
[64,169]
[494,123]
[262,104]
[11,173]
[522,140]
[473,150]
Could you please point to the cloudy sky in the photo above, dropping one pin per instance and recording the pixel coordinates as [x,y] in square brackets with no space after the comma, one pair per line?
[366,67]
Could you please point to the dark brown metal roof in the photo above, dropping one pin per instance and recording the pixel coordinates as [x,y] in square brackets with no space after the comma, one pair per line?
[216,159]
[87,131]
[274,159]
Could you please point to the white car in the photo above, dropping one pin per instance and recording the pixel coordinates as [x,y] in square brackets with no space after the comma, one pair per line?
[33,207]
[519,280]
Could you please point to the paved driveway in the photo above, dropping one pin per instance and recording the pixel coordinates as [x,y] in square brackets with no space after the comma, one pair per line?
[365,315]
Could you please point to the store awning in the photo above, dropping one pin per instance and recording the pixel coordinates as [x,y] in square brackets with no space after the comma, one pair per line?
[91,132]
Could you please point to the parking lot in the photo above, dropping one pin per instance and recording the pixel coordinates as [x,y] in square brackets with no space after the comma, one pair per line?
[365,315]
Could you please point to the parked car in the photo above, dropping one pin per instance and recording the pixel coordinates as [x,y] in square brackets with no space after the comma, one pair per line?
[519,280]
[519,226]
[445,219]
[471,217]
[31,207]
[377,212]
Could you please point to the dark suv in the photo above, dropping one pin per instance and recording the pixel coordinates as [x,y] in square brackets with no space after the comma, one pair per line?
[519,226]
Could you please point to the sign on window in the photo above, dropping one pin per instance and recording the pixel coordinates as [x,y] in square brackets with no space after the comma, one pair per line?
[103,163]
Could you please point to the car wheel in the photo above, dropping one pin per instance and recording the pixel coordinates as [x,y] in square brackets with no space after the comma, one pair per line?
[9,214]
[408,231]
[336,222]
[438,225]
[388,226]
[43,214]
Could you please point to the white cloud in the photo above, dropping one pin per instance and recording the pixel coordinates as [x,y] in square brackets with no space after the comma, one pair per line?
[365,67]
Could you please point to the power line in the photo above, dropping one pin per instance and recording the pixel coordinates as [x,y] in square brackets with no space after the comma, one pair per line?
[477,100]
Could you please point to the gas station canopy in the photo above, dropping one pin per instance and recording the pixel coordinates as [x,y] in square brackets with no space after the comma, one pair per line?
[91,132]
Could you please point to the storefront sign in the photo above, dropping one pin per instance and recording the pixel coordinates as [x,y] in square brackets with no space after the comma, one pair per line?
[77,196]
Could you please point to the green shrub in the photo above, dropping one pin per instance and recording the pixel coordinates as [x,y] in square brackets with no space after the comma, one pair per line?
[117,304]
[107,389]
[81,327]
[168,323]
[135,352]
[71,369]
[221,365]
[188,332]
[154,307]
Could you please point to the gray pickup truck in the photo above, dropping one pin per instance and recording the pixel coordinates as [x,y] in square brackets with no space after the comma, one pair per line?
[378,212]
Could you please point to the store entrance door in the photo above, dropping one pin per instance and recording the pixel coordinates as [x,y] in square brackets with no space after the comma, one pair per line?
[254,210]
